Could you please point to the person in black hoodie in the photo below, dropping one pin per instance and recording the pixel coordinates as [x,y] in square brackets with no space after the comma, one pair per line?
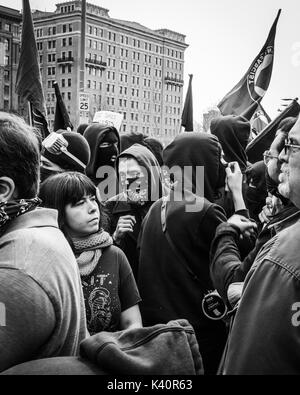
[167,274]
[104,142]
[140,181]
[233,133]
[256,192]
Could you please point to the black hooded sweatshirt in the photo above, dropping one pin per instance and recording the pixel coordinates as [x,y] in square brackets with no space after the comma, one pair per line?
[118,207]
[95,135]
[233,133]
[167,288]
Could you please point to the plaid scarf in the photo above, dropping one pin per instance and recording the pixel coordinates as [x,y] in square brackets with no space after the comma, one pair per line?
[88,250]
[15,208]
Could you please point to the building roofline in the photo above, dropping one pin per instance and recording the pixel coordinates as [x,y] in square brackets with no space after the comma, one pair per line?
[12,12]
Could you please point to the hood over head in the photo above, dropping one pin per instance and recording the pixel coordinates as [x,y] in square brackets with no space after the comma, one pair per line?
[233,133]
[146,160]
[95,135]
[197,149]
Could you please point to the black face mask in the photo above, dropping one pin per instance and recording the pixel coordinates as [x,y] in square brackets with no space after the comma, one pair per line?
[107,150]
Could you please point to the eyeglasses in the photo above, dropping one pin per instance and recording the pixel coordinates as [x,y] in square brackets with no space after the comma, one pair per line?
[267,156]
[288,147]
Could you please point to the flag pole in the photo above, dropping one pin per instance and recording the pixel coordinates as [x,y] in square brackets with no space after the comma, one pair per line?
[30,113]
[82,45]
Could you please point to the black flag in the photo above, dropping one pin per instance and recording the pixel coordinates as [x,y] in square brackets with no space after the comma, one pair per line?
[62,119]
[187,114]
[253,86]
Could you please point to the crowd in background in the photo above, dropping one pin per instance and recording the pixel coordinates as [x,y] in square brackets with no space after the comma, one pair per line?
[91,258]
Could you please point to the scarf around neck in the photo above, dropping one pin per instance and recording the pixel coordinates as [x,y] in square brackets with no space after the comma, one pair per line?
[88,250]
[15,208]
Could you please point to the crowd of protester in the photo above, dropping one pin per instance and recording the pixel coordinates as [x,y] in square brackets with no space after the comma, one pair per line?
[148,259]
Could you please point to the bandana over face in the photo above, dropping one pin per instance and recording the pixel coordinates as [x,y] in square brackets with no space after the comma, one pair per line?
[15,208]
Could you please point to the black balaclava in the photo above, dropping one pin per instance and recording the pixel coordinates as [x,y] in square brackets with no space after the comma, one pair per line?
[96,135]
[108,155]
[233,133]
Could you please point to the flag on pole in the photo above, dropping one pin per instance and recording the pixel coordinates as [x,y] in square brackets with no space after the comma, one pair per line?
[254,84]
[29,82]
[61,119]
[259,120]
[262,142]
[187,115]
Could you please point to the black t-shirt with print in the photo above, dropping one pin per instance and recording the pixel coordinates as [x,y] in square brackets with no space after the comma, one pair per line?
[109,290]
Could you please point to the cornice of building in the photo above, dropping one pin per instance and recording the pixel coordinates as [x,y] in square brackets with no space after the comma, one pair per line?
[10,13]
[99,14]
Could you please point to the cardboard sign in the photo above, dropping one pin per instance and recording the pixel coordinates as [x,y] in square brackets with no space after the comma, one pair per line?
[109,118]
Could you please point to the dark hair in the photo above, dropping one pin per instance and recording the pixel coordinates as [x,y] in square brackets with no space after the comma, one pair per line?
[156,147]
[61,189]
[19,154]
[81,128]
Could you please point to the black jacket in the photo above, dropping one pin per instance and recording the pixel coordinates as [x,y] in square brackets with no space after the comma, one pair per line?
[233,133]
[167,287]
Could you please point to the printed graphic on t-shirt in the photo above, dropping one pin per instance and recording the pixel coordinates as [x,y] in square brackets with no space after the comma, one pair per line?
[101,302]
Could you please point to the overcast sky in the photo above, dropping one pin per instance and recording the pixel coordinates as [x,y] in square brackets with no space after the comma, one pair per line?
[224,36]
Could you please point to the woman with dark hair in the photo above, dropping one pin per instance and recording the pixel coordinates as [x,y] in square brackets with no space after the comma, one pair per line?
[110,292]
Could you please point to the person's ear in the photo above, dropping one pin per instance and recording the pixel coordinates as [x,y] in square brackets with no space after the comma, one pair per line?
[7,189]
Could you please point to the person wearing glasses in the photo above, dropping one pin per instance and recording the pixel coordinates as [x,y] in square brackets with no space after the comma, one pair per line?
[276,203]
[264,338]
[277,214]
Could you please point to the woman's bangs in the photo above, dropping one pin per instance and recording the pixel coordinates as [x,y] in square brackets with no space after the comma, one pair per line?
[77,187]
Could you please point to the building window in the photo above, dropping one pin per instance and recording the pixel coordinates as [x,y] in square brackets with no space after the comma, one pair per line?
[6,75]
[64,28]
